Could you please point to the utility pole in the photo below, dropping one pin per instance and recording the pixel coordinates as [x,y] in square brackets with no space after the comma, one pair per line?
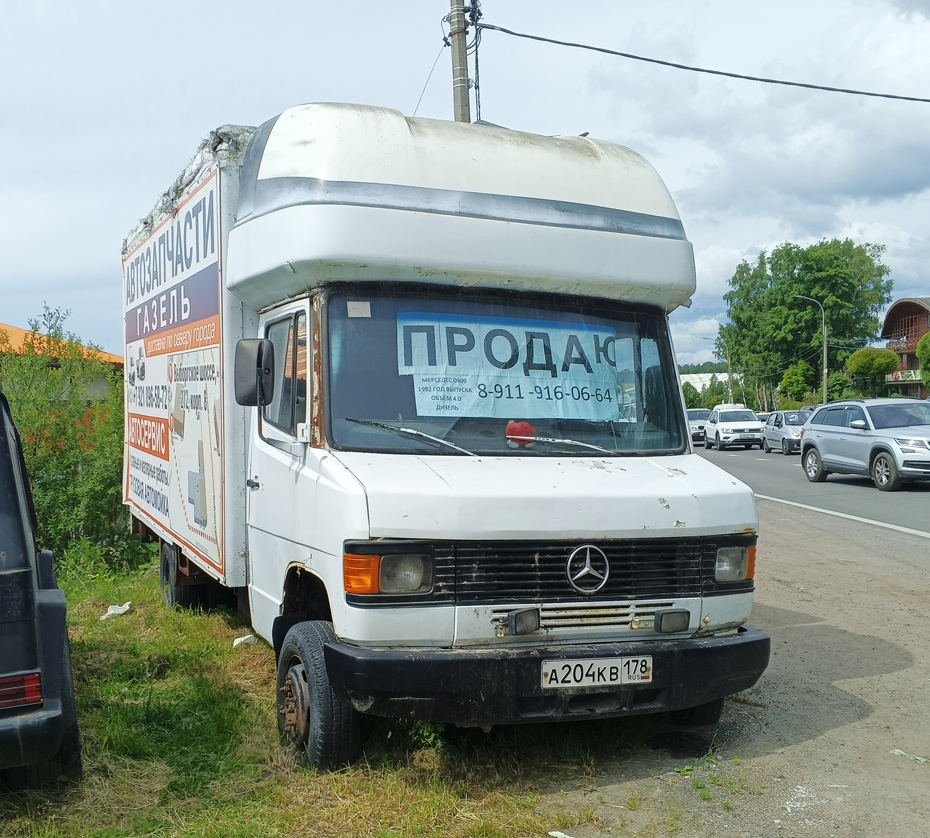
[460,101]
[823,314]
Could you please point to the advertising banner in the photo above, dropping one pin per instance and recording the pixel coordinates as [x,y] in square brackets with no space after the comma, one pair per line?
[509,368]
[171,292]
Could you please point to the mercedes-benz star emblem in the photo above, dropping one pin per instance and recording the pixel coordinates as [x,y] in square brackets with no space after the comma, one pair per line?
[587,569]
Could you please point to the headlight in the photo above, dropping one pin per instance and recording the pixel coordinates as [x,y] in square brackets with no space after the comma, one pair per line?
[406,574]
[399,573]
[912,446]
[734,564]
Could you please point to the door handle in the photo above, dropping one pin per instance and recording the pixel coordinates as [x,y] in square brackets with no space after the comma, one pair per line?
[252,484]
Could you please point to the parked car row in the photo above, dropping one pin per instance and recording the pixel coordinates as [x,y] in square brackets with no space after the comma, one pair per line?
[885,439]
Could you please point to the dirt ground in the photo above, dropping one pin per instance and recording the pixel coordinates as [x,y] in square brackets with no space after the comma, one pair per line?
[834,740]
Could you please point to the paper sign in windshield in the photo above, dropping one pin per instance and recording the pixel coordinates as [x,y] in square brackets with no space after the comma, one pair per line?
[508,368]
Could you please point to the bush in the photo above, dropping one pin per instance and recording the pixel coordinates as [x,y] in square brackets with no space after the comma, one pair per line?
[68,406]
[797,380]
[838,387]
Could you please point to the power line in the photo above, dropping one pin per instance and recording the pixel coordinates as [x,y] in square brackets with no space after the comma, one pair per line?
[426,84]
[672,64]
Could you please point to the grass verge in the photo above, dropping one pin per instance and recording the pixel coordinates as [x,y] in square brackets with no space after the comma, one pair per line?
[180,740]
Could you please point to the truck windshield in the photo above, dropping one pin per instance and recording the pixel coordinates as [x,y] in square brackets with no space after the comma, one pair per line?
[450,375]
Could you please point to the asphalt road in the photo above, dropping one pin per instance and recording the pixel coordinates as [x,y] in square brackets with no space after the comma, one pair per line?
[833,741]
[777,478]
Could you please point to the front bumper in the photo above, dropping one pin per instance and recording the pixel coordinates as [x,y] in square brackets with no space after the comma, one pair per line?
[503,686]
[740,439]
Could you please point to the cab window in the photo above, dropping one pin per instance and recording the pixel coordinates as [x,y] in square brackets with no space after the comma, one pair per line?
[288,408]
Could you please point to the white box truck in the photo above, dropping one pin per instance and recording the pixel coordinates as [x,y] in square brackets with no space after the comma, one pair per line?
[407,388]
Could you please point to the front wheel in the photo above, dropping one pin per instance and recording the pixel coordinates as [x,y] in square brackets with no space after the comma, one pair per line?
[704,714]
[765,446]
[813,467]
[706,442]
[784,447]
[323,731]
[885,473]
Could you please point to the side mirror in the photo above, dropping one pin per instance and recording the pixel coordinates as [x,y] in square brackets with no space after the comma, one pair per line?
[858,424]
[254,372]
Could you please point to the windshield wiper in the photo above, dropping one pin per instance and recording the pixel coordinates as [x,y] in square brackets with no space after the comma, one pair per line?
[567,442]
[411,432]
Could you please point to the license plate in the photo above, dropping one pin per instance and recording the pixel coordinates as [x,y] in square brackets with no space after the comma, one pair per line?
[747,436]
[597,672]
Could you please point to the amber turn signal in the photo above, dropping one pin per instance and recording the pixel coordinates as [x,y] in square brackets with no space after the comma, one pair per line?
[360,573]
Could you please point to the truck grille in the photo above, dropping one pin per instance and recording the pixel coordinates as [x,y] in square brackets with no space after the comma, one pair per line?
[536,572]
[489,572]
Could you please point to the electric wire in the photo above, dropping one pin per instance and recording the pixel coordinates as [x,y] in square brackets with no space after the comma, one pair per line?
[423,91]
[672,64]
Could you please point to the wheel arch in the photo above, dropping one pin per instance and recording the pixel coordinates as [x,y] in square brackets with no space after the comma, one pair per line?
[880,449]
[305,598]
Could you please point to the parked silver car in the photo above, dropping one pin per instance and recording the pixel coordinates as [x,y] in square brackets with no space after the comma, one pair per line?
[887,439]
[782,431]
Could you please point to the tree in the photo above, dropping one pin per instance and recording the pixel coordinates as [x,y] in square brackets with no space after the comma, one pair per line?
[707,366]
[923,355]
[713,394]
[770,328]
[691,394]
[72,441]
[796,382]
[872,365]
[838,387]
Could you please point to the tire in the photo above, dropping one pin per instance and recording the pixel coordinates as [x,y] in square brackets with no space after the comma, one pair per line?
[183,596]
[69,751]
[784,447]
[885,473]
[765,445]
[706,442]
[704,714]
[66,762]
[323,731]
[813,466]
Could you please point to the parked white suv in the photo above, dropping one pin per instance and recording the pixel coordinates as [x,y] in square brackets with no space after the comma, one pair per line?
[732,424]
[887,439]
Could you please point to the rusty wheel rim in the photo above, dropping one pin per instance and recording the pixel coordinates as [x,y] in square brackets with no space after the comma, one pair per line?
[295,705]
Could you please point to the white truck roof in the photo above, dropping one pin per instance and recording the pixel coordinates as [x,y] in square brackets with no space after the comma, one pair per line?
[332,192]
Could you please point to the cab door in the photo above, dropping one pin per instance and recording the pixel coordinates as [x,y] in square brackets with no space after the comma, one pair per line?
[282,479]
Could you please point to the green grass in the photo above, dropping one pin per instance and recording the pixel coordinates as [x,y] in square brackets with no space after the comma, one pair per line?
[180,739]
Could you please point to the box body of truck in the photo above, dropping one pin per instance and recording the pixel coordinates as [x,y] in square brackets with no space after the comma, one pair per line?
[408,387]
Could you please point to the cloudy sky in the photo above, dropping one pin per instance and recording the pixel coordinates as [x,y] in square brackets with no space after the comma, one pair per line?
[102,104]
